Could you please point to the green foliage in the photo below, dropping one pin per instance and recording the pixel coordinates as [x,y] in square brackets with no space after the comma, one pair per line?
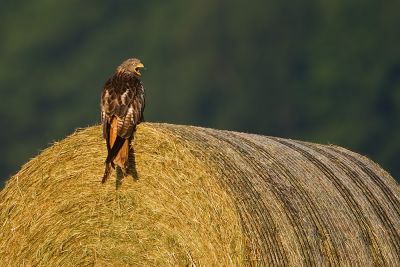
[318,71]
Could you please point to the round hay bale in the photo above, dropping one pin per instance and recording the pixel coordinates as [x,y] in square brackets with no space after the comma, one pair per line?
[201,197]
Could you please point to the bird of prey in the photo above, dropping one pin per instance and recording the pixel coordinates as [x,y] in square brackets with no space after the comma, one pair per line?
[122,105]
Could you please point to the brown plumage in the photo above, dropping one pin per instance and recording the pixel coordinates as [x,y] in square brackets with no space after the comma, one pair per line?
[122,105]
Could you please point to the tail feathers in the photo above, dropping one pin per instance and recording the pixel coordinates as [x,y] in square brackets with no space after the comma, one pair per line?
[119,142]
[106,173]
[112,155]
[121,173]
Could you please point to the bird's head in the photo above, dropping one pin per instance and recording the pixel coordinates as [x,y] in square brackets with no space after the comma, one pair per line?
[131,66]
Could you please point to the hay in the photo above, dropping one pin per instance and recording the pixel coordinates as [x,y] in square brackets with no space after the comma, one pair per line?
[201,197]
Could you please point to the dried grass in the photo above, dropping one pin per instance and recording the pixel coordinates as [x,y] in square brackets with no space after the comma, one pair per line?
[202,197]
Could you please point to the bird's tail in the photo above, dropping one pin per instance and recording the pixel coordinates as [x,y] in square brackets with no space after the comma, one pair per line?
[106,172]
[119,142]
[116,147]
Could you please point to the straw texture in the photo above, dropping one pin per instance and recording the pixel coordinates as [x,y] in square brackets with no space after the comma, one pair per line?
[200,197]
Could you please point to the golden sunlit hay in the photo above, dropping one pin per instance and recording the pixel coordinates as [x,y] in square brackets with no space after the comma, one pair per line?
[201,197]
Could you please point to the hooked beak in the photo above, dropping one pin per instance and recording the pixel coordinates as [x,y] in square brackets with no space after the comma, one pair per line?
[137,69]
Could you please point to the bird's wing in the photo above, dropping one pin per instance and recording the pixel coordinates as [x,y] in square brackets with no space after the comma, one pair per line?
[109,102]
[134,112]
[123,102]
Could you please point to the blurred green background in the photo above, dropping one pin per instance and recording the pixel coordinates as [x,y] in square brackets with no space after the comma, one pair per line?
[321,71]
